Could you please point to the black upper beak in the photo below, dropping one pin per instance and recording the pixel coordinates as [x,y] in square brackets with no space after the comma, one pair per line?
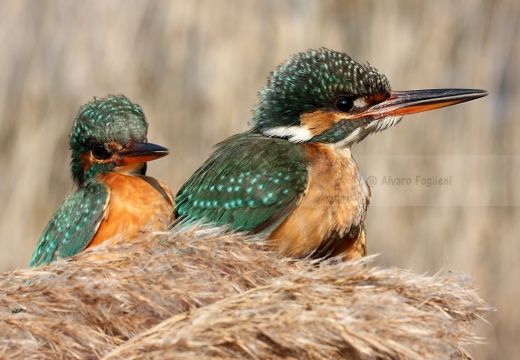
[139,152]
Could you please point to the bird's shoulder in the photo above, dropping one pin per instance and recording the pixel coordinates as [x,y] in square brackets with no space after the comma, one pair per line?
[74,224]
[249,181]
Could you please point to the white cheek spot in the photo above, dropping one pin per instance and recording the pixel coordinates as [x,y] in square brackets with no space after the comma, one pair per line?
[360,103]
[295,134]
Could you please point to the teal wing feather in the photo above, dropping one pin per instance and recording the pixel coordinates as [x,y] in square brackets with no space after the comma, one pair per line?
[251,182]
[74,225]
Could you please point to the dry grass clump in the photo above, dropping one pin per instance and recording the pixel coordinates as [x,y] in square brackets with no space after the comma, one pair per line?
[203,294]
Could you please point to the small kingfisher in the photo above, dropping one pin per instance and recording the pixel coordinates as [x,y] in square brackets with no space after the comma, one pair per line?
[114,197]
[292,175]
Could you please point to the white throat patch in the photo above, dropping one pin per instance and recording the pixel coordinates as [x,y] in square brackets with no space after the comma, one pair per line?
[132,169]
[361,133]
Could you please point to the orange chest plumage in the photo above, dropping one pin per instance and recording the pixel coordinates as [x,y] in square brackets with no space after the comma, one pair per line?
[329,218]
[135,203]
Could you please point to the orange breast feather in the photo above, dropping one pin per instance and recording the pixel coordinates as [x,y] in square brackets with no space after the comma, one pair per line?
[329,218]
[136,203]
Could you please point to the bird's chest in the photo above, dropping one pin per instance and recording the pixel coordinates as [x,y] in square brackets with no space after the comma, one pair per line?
[331,213]
[336,192]
[135,203]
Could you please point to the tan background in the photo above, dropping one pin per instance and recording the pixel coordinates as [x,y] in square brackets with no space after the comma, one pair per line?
[195,67]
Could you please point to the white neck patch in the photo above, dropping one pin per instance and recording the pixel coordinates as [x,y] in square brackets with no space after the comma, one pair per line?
[295,134]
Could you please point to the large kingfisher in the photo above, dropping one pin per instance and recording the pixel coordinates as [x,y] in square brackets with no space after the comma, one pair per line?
[292,175]
[114,197]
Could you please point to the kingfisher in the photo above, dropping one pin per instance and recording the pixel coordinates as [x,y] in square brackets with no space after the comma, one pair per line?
[114,197]
[292,176]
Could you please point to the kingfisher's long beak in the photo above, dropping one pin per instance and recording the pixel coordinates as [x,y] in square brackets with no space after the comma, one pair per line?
[409,102]
[136,152]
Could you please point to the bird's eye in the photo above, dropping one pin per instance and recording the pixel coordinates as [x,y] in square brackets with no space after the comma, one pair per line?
[344,104]
[99,151]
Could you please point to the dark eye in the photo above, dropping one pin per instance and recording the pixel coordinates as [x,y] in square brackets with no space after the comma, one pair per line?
[99,151]
[344,104]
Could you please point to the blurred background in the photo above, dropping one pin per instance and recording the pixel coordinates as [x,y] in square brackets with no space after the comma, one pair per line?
[195,67]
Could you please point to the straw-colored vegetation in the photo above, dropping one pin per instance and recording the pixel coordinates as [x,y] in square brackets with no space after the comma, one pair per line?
[195,68]
[200,293]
